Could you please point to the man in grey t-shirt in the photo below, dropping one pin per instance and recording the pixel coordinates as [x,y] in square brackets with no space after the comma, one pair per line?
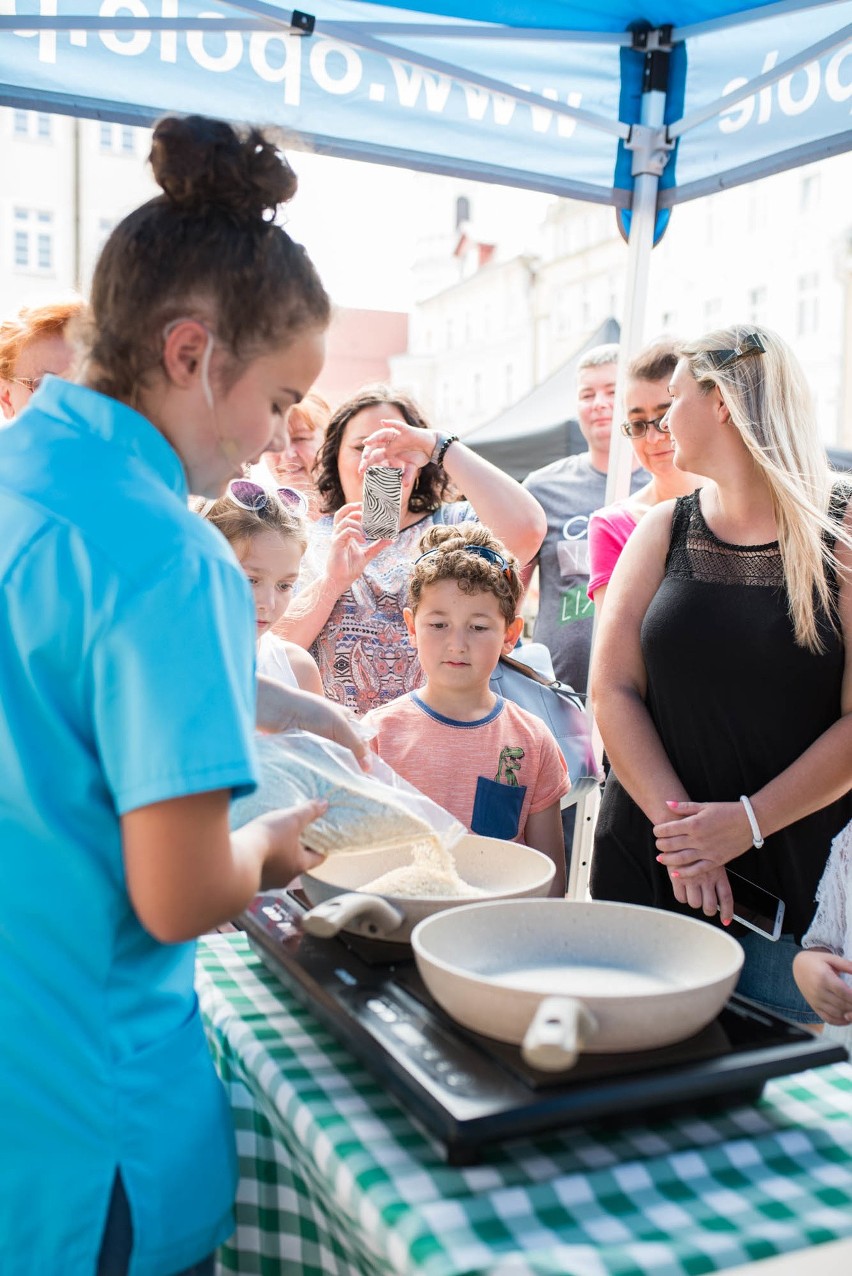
[569,491]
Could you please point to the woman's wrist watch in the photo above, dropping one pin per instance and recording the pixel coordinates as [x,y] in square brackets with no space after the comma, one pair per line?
[442,443]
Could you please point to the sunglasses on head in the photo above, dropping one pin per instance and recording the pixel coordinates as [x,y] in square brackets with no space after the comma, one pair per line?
[251,496]
[481,551]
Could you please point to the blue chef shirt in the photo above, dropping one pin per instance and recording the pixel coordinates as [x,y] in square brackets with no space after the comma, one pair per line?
[126,678]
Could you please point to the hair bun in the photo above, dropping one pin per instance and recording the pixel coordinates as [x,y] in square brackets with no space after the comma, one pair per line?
[202,164]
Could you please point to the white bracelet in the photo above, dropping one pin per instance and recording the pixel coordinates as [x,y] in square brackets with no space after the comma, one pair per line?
[757,840]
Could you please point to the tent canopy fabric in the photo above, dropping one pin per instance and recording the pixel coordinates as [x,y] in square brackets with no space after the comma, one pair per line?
[540,427]
[546,96]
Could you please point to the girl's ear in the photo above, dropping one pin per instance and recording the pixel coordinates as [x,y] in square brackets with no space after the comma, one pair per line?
[408,617]
[513,633]
[184,344]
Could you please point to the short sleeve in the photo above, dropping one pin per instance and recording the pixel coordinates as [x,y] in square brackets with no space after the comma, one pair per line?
[608,534]
[174,686]
[552,782]
[832,922]
[455,512]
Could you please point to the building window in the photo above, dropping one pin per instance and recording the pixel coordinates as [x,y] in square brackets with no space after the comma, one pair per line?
[712,312]
[33,240]
[33,125]
[756,304]
[808,304]
[118,139]
[808,192]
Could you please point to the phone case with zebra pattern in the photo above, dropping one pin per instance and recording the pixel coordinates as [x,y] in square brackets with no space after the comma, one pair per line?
[382,499]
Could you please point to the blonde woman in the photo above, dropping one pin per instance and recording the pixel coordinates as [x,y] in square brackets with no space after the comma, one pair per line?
[722,683]
[304,432]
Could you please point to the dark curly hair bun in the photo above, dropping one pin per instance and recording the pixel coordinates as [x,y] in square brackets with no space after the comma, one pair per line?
[203,164]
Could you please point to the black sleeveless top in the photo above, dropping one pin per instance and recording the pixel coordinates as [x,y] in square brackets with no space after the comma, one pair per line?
[735,701]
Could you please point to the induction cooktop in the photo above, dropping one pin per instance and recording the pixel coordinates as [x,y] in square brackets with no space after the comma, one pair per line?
[466,1091]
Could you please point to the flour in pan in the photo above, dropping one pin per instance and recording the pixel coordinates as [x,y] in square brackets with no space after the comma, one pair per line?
[432,874]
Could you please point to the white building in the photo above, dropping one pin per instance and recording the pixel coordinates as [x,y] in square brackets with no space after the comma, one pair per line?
[67,182]
[777,252]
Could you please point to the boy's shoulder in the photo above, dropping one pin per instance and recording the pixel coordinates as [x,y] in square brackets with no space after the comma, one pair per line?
[521,719]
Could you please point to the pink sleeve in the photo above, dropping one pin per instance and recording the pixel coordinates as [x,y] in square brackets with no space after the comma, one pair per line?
[609,530]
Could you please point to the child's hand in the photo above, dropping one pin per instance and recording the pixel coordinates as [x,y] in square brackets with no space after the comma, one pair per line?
[286,857]
[818,975]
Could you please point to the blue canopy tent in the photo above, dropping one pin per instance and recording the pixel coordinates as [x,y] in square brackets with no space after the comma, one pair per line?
[639,104]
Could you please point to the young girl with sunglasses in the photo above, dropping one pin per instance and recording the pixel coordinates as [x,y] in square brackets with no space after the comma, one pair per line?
[487,761]
[127,683]
[268,534]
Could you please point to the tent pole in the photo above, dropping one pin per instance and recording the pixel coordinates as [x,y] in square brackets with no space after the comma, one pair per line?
[650,155]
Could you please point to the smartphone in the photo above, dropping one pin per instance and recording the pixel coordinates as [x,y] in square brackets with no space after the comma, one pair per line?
[381,502]
[756,908]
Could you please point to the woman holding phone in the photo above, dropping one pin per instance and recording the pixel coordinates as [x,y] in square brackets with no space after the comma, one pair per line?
[348,612]
[722,677]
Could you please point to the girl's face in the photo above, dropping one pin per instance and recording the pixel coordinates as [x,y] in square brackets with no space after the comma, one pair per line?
[271,564]
[293,464]
[249,418]
[356,430]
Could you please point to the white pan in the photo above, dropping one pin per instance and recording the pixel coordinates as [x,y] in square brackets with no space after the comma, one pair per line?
[557,977]
[505,869]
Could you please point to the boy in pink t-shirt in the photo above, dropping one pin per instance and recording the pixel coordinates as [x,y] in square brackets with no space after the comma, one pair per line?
[490,763]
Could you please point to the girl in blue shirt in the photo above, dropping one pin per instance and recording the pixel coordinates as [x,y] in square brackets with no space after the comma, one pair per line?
[127,709]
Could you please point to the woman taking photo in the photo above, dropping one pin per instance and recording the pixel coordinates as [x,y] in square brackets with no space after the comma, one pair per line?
[349,614]
[127,686]
[722,681]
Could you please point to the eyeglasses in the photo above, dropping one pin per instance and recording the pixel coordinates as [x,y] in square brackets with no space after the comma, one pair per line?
[251,496]
[638,429]
[481,551]
[29,383]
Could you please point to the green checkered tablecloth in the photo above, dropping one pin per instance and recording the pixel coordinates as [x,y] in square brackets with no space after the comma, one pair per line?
[336,1181]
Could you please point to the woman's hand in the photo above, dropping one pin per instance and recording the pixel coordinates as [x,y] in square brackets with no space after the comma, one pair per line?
[708,890]
[819,976]
[349,552]
[281,708]
[700,833]
[399,444]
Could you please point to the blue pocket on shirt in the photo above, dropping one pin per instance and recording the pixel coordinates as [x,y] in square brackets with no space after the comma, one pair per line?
[497,809]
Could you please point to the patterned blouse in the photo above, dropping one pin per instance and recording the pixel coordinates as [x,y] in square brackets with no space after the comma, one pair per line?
[363,652]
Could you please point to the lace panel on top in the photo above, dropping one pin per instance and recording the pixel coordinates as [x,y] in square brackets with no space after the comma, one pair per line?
[697,554]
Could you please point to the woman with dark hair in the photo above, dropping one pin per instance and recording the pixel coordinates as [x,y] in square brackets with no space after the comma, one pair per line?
[349,614]
[127,682]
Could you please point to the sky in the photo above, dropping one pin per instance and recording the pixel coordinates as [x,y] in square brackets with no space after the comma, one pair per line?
[365,245]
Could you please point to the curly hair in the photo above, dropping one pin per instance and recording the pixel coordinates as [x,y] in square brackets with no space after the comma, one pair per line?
[432,485]
[240,525]
[472,572]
